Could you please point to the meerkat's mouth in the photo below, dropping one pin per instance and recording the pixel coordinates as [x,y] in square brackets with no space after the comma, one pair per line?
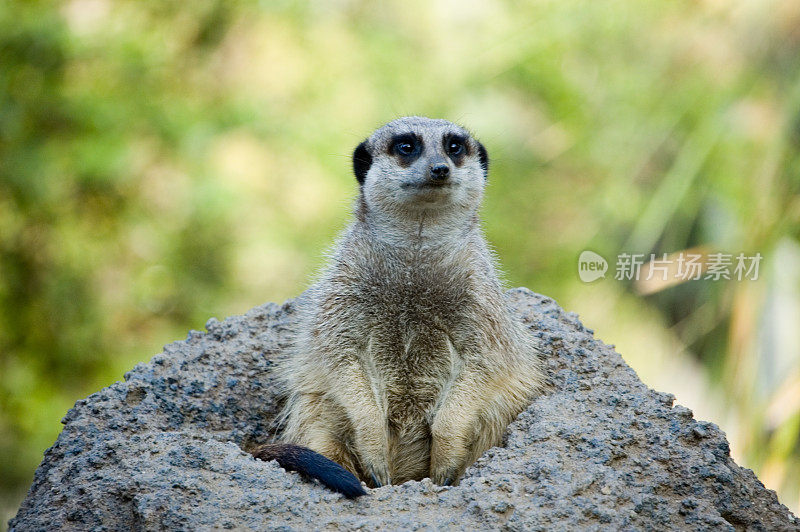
[427,184]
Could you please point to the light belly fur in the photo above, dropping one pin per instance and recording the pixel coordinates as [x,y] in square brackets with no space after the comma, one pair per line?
[409,372]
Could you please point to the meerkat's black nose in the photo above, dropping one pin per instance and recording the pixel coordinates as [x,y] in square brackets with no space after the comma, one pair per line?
[440,172]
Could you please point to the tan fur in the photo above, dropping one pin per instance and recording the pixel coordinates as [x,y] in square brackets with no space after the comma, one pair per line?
[408,363]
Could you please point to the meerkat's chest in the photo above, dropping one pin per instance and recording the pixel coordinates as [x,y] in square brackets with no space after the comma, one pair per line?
[415,349]
[420,297]
[417,316]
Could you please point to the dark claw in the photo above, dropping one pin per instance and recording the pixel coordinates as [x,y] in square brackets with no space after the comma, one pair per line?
[375,480]
[447,482]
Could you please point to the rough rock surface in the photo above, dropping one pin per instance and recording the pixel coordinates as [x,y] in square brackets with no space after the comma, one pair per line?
[598,451]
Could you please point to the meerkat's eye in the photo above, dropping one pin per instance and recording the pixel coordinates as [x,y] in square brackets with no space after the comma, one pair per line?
[455,147]
[403,148]
[406,146]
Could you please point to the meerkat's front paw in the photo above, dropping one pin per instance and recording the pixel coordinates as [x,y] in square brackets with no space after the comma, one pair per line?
[447,476]
[448,461]
[373,458]
[447,467]
[378,475]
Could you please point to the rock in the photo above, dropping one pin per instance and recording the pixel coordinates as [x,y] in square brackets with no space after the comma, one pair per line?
[598,451]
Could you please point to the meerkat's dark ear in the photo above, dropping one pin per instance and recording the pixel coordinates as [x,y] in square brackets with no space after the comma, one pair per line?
[362,160]
[484,159]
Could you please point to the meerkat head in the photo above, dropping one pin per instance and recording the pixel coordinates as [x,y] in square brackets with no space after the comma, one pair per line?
[416,164]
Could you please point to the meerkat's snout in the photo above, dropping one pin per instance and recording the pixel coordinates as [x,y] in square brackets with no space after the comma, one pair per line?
[439,171]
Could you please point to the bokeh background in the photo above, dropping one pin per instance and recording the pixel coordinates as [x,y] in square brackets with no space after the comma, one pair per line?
[163,162]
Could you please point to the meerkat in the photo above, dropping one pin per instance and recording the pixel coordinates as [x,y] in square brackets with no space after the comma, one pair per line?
[408,363]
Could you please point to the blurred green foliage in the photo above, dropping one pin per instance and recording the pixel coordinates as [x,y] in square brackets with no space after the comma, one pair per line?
[165,162]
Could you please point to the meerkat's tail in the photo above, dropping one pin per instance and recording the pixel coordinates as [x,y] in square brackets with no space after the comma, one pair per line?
[311,464]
